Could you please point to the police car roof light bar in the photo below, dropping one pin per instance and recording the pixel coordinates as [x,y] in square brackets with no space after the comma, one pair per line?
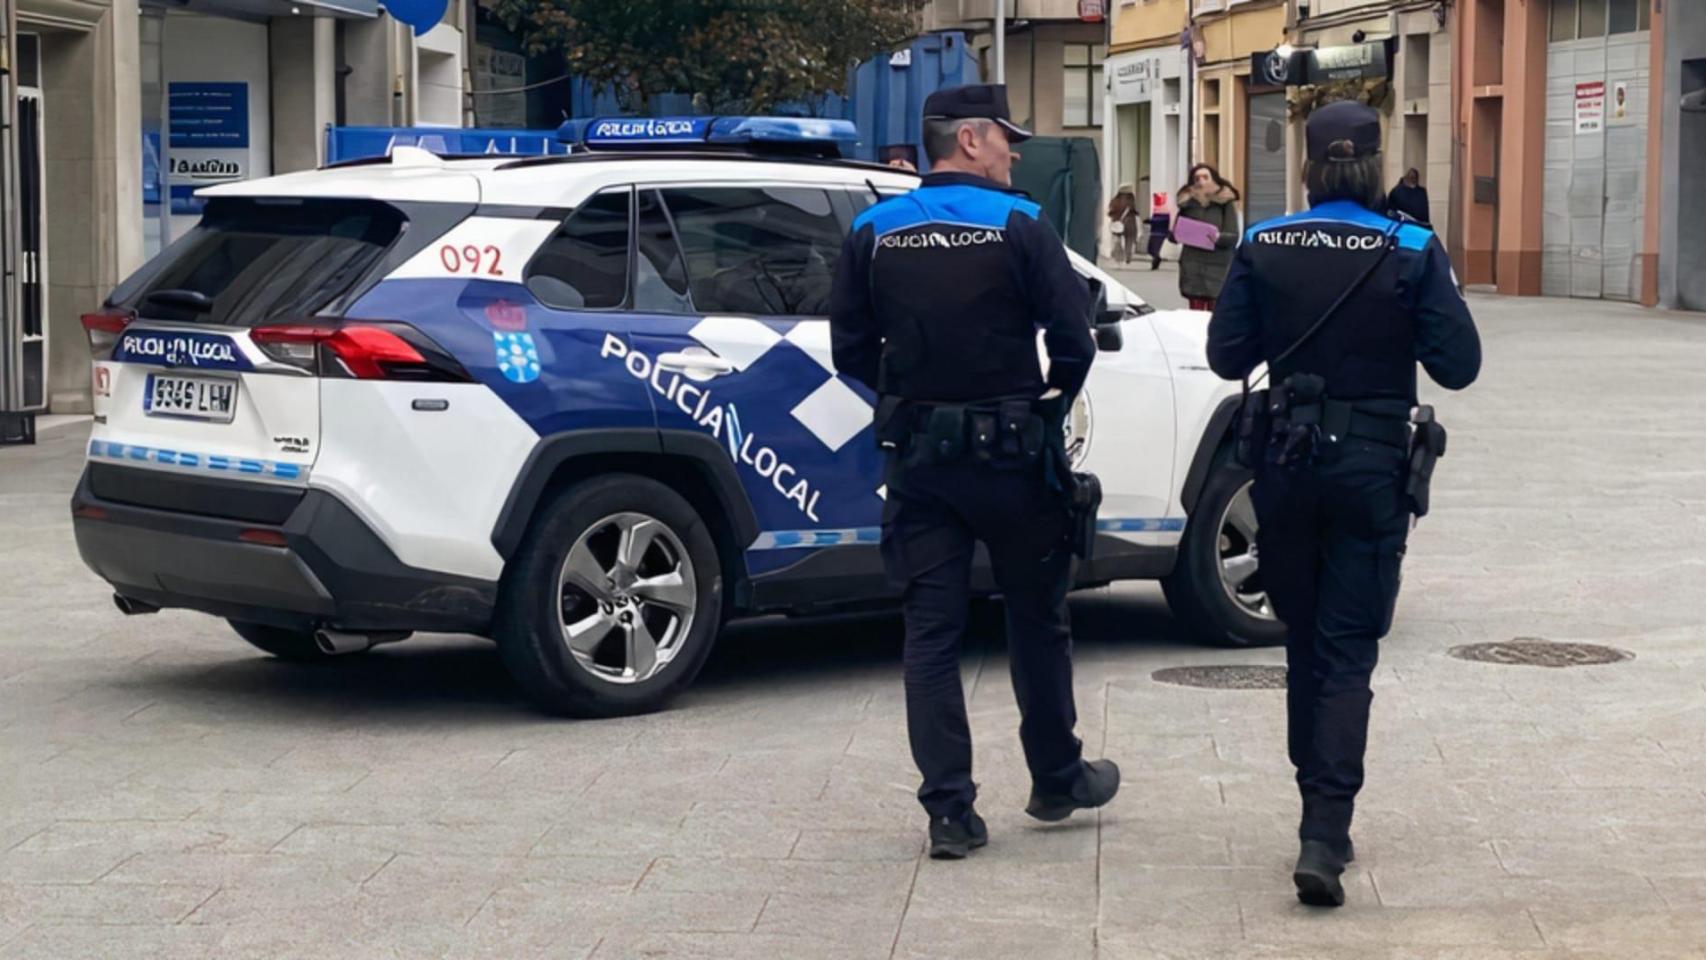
[787,135]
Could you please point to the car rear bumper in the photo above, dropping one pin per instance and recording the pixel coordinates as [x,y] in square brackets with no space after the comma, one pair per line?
[170,549]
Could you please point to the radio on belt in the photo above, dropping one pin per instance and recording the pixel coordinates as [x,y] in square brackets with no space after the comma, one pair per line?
[796,136]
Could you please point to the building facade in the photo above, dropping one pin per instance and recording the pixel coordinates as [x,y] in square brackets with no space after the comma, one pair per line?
[1147,142]
[1414,100]
[1678,94]
[1053,59]
[124,108]
[1241,126]
[1563,150]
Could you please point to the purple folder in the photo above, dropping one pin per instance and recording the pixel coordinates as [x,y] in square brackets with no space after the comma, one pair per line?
[1196,233]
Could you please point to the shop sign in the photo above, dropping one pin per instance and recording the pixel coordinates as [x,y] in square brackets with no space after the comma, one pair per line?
[1091,11]
[207,115]
[1135,79]
[1290,67]
[1590,107]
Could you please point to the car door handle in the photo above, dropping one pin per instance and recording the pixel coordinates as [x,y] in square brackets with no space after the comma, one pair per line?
[700,363]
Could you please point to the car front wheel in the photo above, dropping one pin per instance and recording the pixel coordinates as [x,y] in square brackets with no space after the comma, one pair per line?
[613,600]
[1216,587]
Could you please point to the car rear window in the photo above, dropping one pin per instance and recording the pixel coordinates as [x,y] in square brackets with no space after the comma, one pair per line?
[260,260]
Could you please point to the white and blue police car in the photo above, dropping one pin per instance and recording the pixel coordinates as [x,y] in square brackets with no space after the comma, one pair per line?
[582,405]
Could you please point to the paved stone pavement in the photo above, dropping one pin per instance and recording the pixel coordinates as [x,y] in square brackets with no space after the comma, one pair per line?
[168,792]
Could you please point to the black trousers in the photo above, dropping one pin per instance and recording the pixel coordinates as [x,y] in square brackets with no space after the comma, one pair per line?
[1331,540]
[934,517]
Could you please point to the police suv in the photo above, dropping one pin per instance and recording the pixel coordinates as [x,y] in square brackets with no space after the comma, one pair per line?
[580,404]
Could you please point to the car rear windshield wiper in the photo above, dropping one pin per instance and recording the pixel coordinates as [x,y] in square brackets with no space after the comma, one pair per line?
[192,300]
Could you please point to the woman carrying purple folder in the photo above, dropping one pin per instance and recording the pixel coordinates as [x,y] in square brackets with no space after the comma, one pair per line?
[1211,201]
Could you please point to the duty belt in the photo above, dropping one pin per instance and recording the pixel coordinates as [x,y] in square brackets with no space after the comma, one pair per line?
[1304,424]
[988,430]
[1344,418]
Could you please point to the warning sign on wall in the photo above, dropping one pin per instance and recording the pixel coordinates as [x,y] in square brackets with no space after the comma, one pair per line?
[1590,107]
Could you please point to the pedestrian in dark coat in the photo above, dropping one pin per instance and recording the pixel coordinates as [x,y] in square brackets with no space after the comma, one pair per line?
[1210,198]
[1410,198]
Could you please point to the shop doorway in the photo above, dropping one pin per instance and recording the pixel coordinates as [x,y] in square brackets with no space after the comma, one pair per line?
[32,228]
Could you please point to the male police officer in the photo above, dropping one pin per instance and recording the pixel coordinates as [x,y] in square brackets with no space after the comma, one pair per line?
[1340,302]
[938,297]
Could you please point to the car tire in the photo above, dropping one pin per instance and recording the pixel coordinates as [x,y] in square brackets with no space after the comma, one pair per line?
[1218,548]
[297,646]
[625,567]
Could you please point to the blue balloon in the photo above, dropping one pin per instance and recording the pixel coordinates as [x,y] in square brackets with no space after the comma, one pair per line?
[423,15]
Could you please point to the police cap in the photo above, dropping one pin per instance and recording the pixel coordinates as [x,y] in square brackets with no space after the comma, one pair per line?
[1342,132]
[975,101]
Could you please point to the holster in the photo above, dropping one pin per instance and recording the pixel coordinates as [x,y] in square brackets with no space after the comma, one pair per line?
[1254,424]
[1427,445]
[890,422]
[1083,503]
[1295,412]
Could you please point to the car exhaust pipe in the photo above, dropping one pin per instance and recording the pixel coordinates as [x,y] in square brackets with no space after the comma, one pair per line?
[337,642]
[132,607]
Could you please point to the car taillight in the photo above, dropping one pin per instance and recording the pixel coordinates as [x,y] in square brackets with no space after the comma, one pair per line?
[104,329]
[364,350]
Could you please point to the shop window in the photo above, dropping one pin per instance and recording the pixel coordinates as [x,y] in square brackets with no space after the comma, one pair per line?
[584,266]
[1592,23]
[1563,20]
[1625,16]
[1081,103]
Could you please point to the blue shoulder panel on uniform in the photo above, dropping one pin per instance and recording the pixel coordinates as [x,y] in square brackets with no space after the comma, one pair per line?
[1414,236]
[1411,236]
[957,204]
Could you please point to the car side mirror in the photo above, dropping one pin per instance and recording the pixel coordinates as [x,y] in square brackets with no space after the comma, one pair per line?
[1105,320]
[1109,337]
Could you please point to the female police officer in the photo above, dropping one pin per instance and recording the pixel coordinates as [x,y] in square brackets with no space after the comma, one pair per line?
[1340,301]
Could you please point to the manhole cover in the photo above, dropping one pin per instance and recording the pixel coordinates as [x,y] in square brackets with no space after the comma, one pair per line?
[1230,677]
[1535,652]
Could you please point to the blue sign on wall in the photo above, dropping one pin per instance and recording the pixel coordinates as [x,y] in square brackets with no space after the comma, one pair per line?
[208,115]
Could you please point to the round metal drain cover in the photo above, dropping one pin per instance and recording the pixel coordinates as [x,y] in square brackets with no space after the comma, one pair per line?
[1230,677]
[1535,652]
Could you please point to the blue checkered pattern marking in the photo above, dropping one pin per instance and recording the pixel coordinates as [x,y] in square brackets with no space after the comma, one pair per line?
[518,356]
[136,453]
[791,539]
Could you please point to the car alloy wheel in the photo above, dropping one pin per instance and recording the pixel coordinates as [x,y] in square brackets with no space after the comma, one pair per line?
[1240,566]
[626,597]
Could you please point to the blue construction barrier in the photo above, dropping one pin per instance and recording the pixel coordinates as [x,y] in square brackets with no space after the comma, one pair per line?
[889,92]
[885,100]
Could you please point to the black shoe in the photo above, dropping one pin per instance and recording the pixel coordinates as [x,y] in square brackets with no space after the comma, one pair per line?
[952,839]
[1317,875]
[1348,853]
[1155,265]
[1098,784]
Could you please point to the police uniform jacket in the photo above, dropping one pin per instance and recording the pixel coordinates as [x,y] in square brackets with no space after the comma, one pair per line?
[1289,270]
[939,294]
